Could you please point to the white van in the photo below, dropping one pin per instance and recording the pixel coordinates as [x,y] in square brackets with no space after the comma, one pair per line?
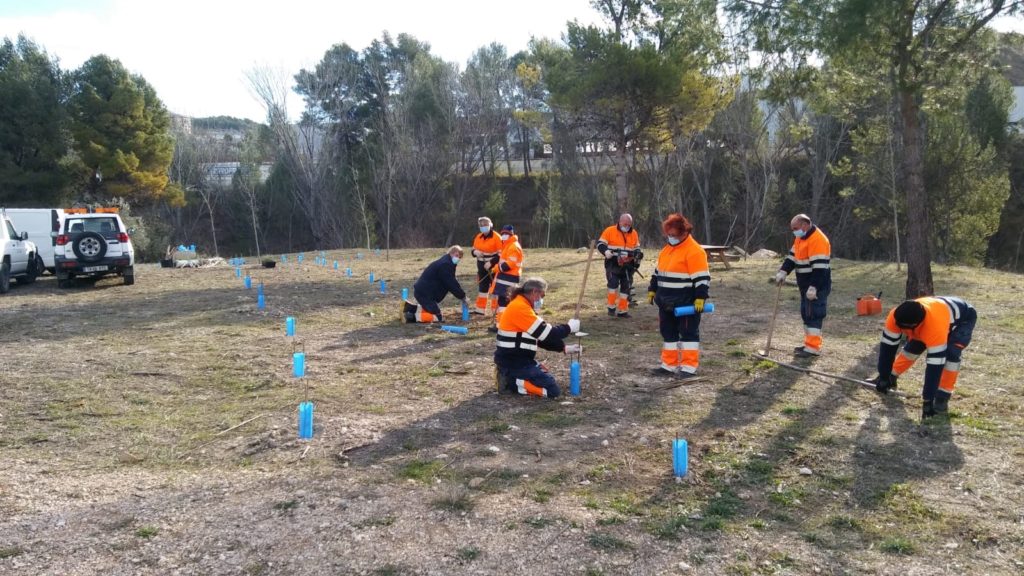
[42,225]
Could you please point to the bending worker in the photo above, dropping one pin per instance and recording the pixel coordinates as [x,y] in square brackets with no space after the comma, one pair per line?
[620,246]
[486,249]
[436,281]
[509,269]
[940,327]
[811,256]
[520,333]
[681,278]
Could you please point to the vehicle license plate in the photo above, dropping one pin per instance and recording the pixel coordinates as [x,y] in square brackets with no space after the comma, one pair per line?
[94,269]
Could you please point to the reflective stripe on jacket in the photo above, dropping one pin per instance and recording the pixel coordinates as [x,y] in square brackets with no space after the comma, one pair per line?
[614,239]
[941,314]
[811,257]
[521,332]
[487,245]
[512,260]
[681,275]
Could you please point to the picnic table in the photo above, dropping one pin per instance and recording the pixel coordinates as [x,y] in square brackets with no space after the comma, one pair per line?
[718,251]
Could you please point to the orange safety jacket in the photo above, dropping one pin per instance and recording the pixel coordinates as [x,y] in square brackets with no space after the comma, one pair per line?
[622,243]
[486,246]
[521,332]
[811,256]
[681,275]
[511,261]
[931,336]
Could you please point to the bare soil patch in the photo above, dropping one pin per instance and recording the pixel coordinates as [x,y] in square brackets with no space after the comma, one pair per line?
[151,429]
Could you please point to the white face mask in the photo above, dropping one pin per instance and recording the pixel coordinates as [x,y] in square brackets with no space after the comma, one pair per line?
[624,229]
[799,233]
[672,240]
[538,305]
[504,237]
[455,259]
[485,229]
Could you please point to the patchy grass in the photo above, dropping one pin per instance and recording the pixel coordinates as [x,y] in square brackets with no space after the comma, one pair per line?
[182,398]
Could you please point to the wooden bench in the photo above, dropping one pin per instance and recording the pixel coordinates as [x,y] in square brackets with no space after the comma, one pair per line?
[718,251]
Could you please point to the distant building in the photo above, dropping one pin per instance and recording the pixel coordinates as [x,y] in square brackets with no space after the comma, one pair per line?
[181,124]
[1017,108]
[221,174]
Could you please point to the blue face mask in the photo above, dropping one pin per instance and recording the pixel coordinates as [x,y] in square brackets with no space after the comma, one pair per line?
[538,304]
[672,240]
[485,229]
[799,233]
[455,259]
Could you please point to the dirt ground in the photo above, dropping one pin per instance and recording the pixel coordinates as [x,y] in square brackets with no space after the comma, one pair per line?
[151,429]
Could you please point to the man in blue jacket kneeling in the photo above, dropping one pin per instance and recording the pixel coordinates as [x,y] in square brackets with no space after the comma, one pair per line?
[436,281]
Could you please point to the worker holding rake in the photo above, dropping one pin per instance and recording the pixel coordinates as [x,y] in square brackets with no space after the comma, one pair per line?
[939,327]
[486,250]
[811,257]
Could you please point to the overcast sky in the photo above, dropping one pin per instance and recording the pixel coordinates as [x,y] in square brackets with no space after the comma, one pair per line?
[195,53]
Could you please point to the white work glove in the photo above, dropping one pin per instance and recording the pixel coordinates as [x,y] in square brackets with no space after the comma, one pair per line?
[475,253]
[574,325]
[487,266]
[812,293]
[780,277]
[609,254]
[573,348]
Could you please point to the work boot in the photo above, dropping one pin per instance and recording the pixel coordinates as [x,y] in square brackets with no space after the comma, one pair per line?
[684,375]
[623,315]
[927,409]
[941,404]
[802,352]
[492,329]
[611,311]
[661,371]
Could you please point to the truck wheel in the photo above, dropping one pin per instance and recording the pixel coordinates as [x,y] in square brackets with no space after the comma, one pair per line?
[129,275]
[5,277]
[34,269]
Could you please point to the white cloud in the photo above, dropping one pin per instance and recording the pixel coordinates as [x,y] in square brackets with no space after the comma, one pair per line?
[196,52]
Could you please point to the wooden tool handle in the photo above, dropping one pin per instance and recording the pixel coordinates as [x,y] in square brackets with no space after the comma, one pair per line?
[583,286]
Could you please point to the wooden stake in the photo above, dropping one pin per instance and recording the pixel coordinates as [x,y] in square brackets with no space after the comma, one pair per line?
[583,286]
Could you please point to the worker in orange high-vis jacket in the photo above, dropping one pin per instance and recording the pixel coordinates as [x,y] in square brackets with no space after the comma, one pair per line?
[487,251]
[520,333]
[940,327]
[681,278]
[436,282]
[811,257]
[509,269]
[619,244]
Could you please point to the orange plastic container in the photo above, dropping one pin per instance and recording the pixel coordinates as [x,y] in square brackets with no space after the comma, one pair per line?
[868,305]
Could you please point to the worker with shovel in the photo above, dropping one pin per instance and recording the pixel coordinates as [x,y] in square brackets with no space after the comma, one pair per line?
[620,246]
[940,327]
[507,271]
[486,250]
[811,257]
[520,332]
[436,281]
[681,278]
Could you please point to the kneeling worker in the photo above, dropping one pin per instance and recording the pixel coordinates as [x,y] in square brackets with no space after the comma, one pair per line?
[520,333]
[436,281]
[940,327]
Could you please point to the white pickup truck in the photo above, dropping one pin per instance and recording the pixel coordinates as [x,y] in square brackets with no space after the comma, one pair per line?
[19,258]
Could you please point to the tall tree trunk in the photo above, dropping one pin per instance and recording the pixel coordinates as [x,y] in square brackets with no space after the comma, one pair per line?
[621,187]
[919,255]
